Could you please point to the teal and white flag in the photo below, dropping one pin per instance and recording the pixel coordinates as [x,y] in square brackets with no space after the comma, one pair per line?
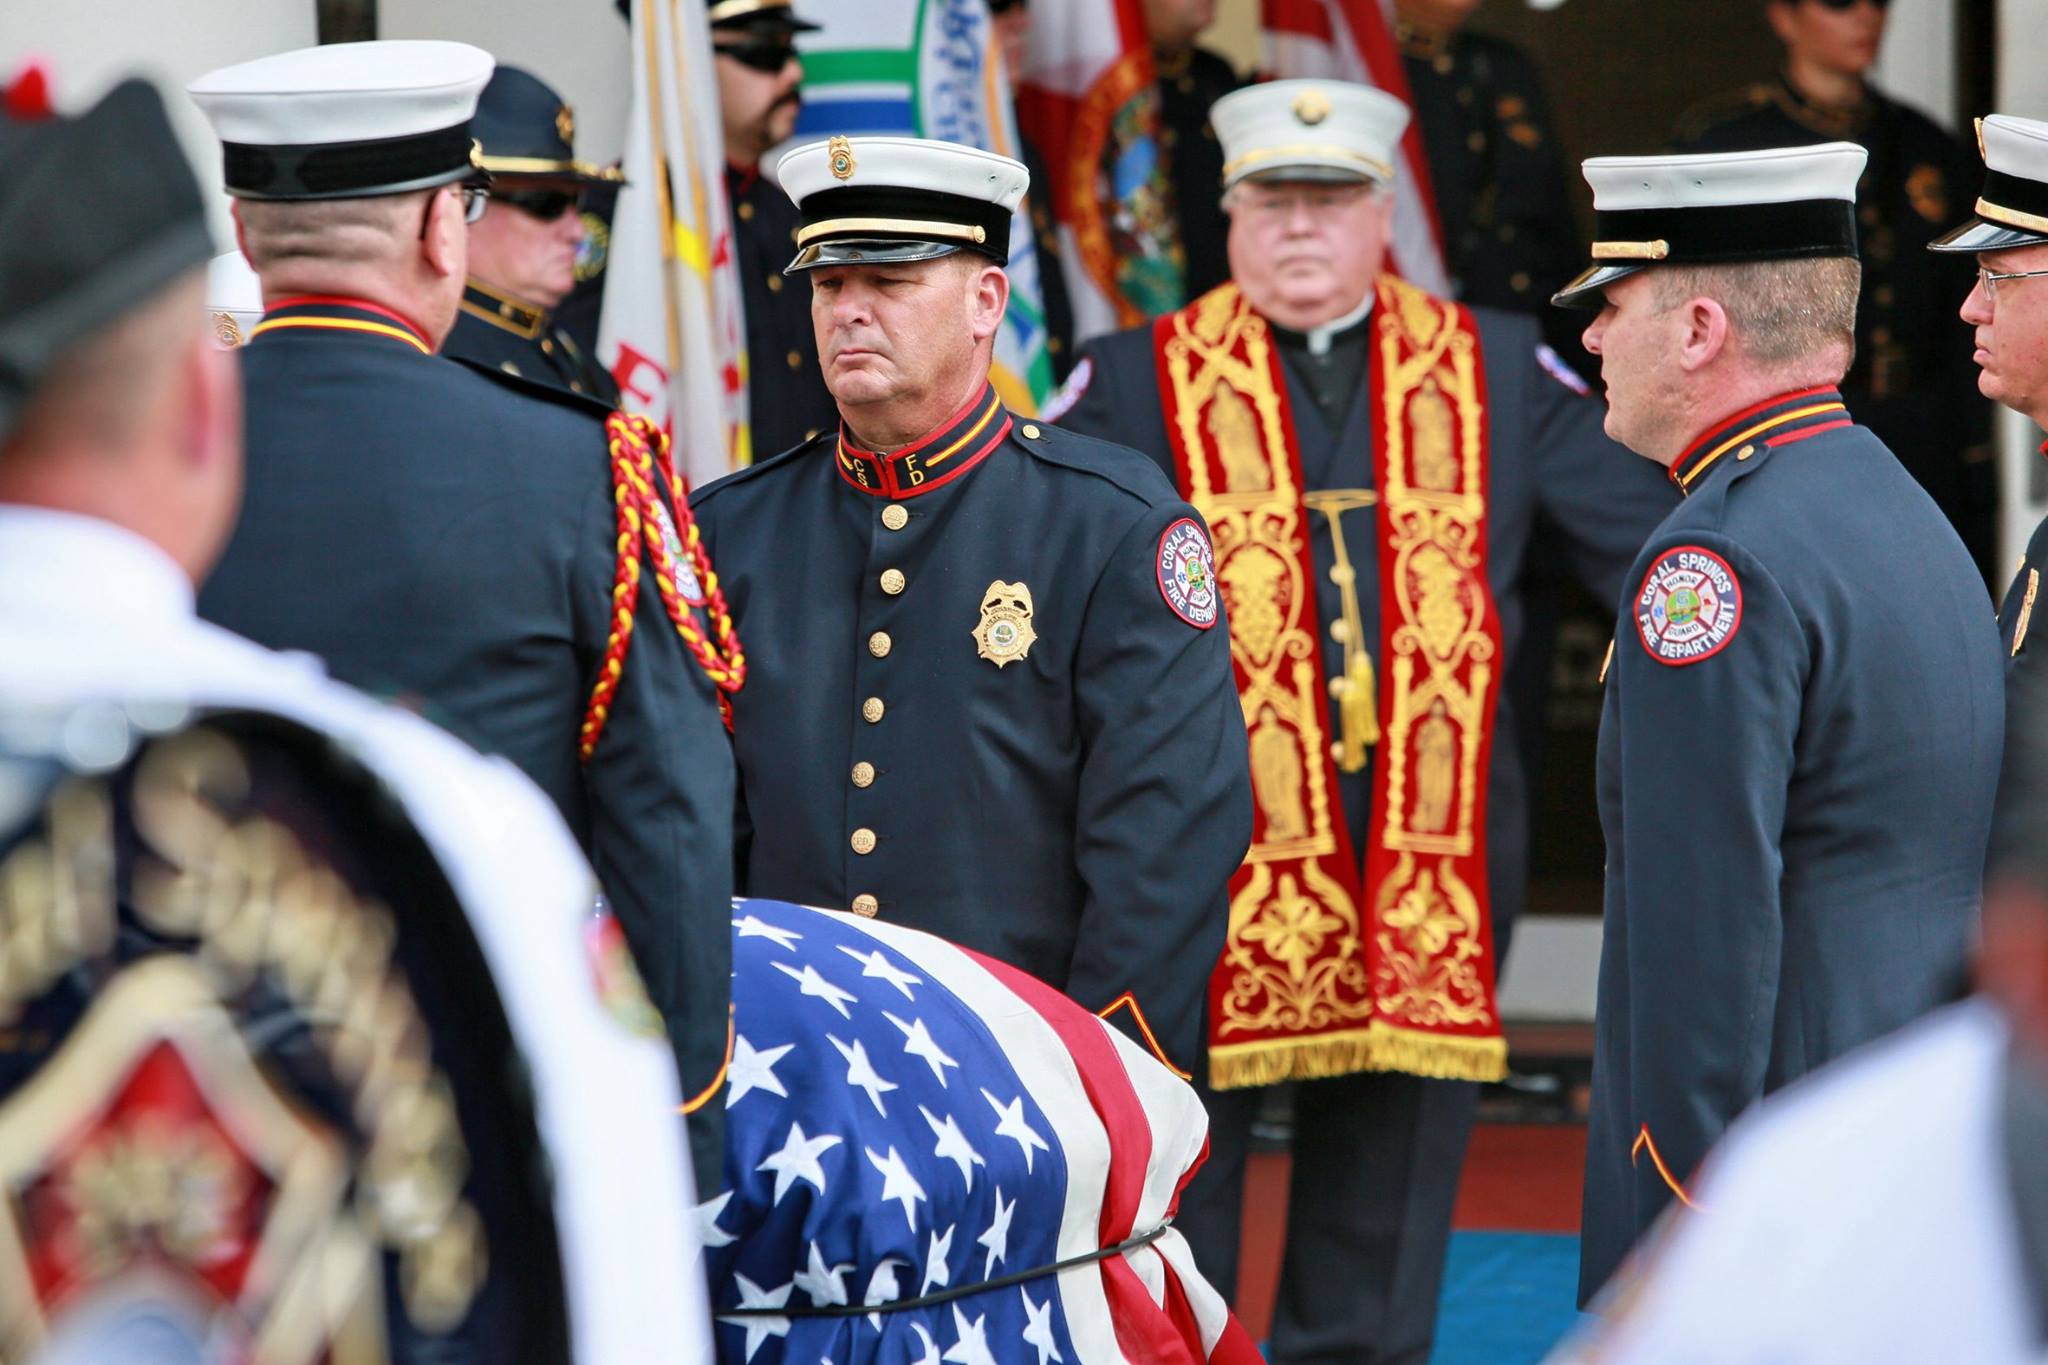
[932,68]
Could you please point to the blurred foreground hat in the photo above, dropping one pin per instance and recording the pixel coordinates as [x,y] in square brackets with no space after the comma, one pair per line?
[869,199]
[97,213]
[2013,210]
[1308,130]
[348,120]
[1776,203]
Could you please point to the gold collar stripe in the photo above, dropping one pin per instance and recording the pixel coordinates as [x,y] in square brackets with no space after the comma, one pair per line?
[1692,475]
[341,325]
[954,449]
[916,227]
[1655,250]
[1999,213]
[1297,150]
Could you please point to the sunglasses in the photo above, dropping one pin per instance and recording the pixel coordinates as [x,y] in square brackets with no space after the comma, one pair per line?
[765,54]
[1839,5]
[546,205]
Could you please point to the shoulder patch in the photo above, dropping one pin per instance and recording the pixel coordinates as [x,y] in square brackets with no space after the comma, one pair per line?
[1689,606]
[1554,365]
[1062,403]
[1187,573]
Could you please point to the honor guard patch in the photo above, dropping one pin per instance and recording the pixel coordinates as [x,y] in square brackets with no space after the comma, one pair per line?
[1187,573]
[682,573]
[1689,606]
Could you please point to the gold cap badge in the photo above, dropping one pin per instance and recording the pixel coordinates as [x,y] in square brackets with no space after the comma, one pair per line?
[227,331]
[1005,632]
[565,124]
[840,153]
[1311,107]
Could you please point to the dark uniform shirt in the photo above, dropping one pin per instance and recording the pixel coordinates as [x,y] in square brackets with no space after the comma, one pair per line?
[1798,750]
[1188,84]
[971,709]
[787,401]
[1503,186]
[498,332]
[1913,382]
[448,533]
[1548,457]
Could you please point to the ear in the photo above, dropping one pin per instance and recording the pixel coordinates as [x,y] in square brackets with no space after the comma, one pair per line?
[1705,332]
[445,247]
[1779,15]
[991,297]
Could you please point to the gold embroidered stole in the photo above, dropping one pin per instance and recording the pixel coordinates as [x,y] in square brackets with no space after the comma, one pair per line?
[1330,968]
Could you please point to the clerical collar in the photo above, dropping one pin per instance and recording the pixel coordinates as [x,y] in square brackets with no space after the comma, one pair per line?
[503,311]
[959,443]
[1825,119]
[1316,341]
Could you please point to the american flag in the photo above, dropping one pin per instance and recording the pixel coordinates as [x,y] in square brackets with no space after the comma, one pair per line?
[905,1118]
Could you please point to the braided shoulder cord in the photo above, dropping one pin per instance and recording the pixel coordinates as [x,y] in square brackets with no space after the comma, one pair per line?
[637,449]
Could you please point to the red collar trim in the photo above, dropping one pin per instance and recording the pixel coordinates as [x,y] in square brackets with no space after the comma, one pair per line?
[1802,406]
[360,305]
[960,443]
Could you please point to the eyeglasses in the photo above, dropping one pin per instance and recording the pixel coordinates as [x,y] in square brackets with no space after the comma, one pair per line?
[1989,280]
[1851,4]
[765,55]
[546,205]
[474,199]
[1270,206]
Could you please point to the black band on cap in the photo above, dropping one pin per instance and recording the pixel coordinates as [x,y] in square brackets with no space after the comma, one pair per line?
[2016,194]
[882,203]
[1732,232]
[339,170]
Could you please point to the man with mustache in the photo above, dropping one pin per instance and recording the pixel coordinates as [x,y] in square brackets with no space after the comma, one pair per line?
[758,98]
[1374,462]
[988,689]
[522,252]
[2009,237]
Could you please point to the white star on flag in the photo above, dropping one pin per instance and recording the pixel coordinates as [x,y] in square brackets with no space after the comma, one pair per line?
[874,964]
[1012,1125]
[752,1070]
[1038,1328]
[898,1184]
[759,1329]
[972,1347]
[798,1160]
[936,1271]
[755,927]
[705,1218]
[953,1146]
[917,1041]
[813,984]
[930,1349]
[824,1283]
[861,1072]
[997,1238]
[883,1287]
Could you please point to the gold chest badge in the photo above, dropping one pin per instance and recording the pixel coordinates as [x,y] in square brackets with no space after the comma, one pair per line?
[1005,634]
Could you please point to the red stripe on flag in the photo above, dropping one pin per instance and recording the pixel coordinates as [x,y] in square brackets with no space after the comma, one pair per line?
[1305,17]
[1368,25]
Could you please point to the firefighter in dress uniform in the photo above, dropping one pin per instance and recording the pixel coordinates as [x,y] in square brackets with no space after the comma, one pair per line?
[460,535]
[288,972]
[1911,382]
[1799,741]
[989,686]
[1373,462]
[523,252]
[759,75]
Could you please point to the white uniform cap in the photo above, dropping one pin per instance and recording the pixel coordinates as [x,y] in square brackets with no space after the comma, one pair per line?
[2013,210]
[1776,203]
[1308,130]
[347,120]
[867,199]
[234,299]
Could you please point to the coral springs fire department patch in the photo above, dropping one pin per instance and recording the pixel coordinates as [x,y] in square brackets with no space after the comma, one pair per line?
[1187,573]
[1688,607]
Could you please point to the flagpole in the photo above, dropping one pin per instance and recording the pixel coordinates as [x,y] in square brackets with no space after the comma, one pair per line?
[665,205]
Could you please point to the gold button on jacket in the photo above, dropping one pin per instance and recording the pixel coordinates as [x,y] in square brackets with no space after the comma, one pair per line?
[863,841]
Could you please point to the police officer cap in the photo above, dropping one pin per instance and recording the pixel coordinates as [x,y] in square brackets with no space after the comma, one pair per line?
[97,214]
[869,199]
[526,131]
[2013,210]
[1308,130]
[348,120]
[1777,203]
